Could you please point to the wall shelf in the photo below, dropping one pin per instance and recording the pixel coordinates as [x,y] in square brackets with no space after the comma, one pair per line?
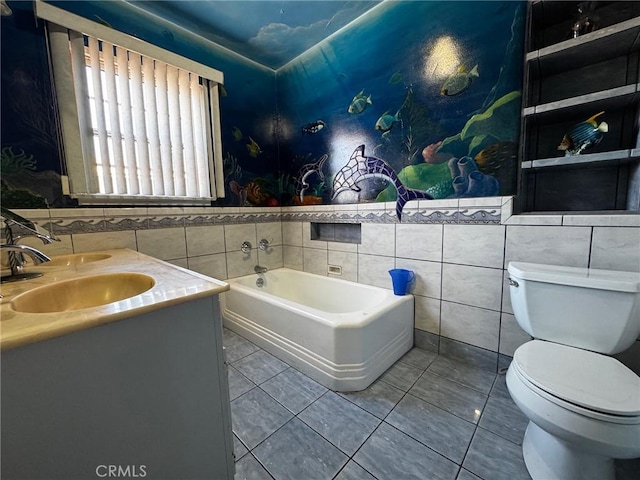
[568,80]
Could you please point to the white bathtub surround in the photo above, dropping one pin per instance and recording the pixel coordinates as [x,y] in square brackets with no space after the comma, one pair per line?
[342,334]
[315,261]
[240,263]
[292,233]
[271,231]
[292,257]
[235,235]
[348,263]
[271,258]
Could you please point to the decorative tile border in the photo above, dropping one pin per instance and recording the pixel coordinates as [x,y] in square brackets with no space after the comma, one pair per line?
[464,211]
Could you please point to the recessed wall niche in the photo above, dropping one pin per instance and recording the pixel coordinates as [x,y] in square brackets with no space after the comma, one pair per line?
[337,232]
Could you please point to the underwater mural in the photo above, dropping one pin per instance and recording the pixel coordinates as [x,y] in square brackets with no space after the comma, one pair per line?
[436,103]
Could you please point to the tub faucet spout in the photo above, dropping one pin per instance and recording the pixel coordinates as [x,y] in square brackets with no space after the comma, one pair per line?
[260,269]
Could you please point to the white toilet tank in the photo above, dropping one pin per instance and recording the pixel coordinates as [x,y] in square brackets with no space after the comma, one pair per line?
[596,310]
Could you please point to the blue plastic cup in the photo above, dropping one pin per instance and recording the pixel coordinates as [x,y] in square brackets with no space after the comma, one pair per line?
[401,279]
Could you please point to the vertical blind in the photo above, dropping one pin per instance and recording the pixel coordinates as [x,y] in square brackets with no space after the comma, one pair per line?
[148,123]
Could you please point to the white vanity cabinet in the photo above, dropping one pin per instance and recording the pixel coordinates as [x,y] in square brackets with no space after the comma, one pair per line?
[144,397]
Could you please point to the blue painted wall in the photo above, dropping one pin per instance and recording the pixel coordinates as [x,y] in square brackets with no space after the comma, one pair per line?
[286,134]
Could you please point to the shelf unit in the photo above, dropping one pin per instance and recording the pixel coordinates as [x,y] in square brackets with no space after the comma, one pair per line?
[567,80]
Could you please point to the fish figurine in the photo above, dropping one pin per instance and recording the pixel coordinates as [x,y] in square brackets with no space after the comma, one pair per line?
[386,122]
[361,167]
[313,127]
[459,81]
[583,135]
[359,103]
[254,148]
[237,134]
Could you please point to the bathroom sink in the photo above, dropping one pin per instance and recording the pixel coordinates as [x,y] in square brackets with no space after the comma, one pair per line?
[83,292]
[74,259]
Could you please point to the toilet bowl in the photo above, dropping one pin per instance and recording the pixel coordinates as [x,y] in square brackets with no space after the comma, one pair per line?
[583,410]
[583,406]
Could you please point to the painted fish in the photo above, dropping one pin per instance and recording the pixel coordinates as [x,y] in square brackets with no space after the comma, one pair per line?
[313,127]
[583,135]
[359,103]
[254,148]
[386,121]
[459,81]
[395,78]
[237,134]
[305,172]
[361,167]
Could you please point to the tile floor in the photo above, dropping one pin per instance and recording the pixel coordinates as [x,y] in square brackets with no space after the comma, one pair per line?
[427,417]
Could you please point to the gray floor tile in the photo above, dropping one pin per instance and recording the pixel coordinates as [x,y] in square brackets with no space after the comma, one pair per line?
[238,383]
[339,421]
[500,389]
[465,374]
[462,401]
[494,458]
[465,353]
[402,375]
[419,358]
[504,418]
[296,452]
[293,389]
[379,398]
[238,448]
[390,454]
[426,340]
[628,469]
[466,475]
[238,348]
[250,469]
[255,416]
[353,471]
[442,431]
[260,366]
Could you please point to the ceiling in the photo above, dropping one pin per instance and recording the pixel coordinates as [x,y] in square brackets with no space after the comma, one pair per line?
[270,32]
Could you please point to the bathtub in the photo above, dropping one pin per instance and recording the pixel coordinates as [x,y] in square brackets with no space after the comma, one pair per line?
[342,334]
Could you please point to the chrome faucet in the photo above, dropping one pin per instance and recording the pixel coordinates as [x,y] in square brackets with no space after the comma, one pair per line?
[36,255]
[14,251]
[260,269]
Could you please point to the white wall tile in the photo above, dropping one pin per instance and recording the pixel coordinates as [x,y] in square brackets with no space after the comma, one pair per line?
[378,239]
[271,231]
[306,238]
[235,235]
[480,245]
[211,265]
[548,245]
[374,270]
[472,325]
[477,286]
[315,261]
[292,257]
[428,276]
[271,258]
[179,262]
[511,335]
[162,243]
[343,247]
[292,233]
[419,241]
[204,240]
[90,242]
[427,314]
[616,248]
[349,263]
[239,264]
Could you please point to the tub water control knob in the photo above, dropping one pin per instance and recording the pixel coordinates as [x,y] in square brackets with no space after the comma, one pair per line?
[245,247]
[263,244]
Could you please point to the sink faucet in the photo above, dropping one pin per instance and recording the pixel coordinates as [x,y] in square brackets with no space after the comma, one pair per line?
[259,269]
[14,251]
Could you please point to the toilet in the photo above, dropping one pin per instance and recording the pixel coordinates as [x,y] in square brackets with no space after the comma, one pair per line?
[583,405]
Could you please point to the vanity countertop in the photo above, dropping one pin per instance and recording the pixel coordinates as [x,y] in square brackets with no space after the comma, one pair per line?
[173,285]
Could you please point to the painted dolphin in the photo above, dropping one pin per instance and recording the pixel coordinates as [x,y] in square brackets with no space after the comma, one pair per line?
[360,167]
[305,172]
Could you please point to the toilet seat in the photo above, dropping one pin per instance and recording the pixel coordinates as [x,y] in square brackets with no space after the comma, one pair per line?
[584,382]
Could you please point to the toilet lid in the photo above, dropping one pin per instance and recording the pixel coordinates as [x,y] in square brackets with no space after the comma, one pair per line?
[581,377]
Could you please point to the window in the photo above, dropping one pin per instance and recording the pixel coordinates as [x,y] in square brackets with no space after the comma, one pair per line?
[139,124]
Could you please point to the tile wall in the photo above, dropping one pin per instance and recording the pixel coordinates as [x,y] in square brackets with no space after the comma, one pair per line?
[458,249]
